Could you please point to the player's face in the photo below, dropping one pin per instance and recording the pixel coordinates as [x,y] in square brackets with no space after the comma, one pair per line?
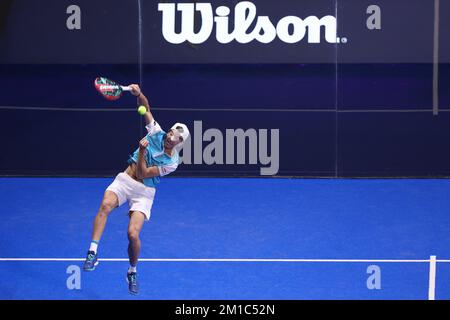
[172,139]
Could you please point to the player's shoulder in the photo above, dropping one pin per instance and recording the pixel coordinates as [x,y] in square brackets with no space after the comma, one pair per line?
[154,128]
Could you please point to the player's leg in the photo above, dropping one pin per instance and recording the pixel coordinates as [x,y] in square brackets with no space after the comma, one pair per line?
[134,229]
[109,202]
[137,219]
[115,195]
[141,202]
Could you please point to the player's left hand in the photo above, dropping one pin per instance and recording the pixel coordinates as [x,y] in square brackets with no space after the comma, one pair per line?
[143,144]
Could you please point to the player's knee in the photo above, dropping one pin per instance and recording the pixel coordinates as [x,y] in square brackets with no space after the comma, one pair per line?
[106,207]
[133,234]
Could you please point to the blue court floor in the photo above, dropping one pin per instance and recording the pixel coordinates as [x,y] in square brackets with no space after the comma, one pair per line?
[232,239]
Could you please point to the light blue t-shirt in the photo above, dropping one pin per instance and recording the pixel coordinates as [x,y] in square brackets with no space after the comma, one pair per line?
[155,154]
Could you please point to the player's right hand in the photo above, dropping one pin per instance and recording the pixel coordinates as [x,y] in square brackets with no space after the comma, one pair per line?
[135,90]
[143,144]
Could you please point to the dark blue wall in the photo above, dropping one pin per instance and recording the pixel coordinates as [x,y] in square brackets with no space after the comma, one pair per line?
[347,119]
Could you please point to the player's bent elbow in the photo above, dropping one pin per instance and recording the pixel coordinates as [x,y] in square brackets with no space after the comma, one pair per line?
[151,172]
[140,174]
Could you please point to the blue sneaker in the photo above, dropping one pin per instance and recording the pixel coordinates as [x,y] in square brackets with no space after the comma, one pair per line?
[91,261]
[133,286]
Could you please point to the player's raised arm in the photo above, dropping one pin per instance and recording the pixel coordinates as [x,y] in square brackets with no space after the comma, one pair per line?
[142,101]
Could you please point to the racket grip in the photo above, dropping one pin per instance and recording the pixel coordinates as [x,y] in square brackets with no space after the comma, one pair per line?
[126,88]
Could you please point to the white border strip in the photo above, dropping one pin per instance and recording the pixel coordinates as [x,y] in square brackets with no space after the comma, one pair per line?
[432,278]
[232,260]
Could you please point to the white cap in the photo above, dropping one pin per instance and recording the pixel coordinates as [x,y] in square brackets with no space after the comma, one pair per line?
[182,129]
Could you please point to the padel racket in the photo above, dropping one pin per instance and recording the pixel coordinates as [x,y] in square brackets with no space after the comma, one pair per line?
[109,89]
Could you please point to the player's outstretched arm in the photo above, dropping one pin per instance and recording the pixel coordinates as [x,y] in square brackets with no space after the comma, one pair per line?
[142,101]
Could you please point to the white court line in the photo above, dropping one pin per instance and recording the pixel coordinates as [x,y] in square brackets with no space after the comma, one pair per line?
[432,278]
[233,260]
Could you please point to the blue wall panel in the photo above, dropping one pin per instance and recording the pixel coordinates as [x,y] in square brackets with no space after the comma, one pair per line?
[360,107]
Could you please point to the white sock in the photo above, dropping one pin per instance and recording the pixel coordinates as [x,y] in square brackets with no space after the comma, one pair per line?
[93,247]
[132,269]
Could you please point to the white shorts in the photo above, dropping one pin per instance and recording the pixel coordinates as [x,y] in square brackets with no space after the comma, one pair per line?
[139,196]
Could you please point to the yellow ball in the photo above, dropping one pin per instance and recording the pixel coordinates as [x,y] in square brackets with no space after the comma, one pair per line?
[142,110]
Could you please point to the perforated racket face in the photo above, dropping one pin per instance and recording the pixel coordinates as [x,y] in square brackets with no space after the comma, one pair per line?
[108,88]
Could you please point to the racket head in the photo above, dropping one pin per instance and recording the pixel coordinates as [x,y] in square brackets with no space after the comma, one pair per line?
[109,89]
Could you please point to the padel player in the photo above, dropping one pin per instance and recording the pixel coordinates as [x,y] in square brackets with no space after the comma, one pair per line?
[155,157]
